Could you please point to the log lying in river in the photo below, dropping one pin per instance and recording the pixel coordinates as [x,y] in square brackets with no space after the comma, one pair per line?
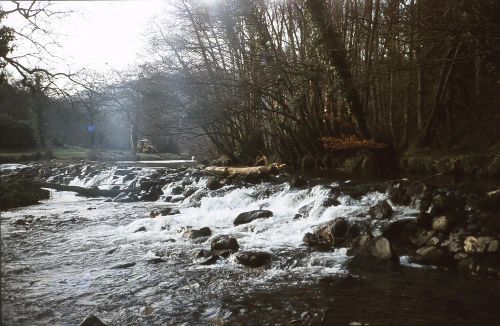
[87,192]
[245,171]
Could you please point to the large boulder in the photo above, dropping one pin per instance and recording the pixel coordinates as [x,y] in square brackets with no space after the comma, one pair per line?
[381,211]
[377,247]
[248,217]
[336,233]
[253,258]
[224,242]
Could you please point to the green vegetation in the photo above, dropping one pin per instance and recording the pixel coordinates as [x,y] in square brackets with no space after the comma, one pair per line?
[79,153]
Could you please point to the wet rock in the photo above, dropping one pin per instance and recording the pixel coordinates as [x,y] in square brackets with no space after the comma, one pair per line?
[337,233]
[109,252]
[193,233]
[441,224]
[141,229]
[306,209]
[188,192]
[125,265]
[330,202]
[213,184]
[298,216]
[253,258]
[224,253]
[177,199]
[430,255]
[156,260]
[480,244]
[224,242]
[377,247]
[153,194]
[21,222]
[130,176]
[248,217]
[195,199]
[381,211]
[316,241]
[164,212]
[210,261]
[126,197]
[91,320]
[420,238]
[177,190]
[203,253]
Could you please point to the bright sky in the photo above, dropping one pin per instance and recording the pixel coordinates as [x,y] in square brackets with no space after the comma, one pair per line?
[98,34]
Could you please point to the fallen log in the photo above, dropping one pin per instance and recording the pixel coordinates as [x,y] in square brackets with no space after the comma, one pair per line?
[82,191]
[262,170]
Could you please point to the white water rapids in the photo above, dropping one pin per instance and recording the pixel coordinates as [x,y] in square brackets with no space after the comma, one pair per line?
[59,267]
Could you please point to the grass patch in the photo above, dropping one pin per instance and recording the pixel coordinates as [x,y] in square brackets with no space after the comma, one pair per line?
[80,153]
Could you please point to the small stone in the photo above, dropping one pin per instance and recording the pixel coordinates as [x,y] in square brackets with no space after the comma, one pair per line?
[147,310]
[177,190]
[193,234]
[91,320]
[224,242]
[248,217]
[482,243]
[493,246]
[141,229]
[440,224]
[156,260]
[125,265]
[381,248]
[253,258]
[470,244]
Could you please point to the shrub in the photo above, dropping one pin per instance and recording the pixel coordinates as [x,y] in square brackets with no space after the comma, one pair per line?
[349,143]
[15,134]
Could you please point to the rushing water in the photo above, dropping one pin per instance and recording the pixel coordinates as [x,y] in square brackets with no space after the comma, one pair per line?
[60,266]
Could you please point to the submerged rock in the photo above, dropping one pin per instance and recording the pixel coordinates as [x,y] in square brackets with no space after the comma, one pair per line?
[141,229]
[92,320]
[253,258]
[381,211]
[210,261]
[224,242]
[124,265]
[248,217]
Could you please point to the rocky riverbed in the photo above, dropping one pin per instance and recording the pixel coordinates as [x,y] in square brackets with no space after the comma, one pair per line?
[180,246]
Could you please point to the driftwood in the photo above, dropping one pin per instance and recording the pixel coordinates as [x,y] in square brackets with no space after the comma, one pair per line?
[82,191]
[245,171]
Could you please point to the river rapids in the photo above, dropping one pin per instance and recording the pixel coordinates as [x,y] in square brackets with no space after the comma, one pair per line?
[81,256]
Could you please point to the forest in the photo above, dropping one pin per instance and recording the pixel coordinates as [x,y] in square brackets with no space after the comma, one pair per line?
[286,79]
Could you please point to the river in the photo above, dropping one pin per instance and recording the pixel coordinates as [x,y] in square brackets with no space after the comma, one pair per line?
[67,262]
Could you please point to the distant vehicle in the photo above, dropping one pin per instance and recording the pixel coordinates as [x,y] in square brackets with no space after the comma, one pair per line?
[146,146]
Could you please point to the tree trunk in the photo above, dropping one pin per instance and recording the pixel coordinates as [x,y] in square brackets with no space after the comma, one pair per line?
[335,48]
